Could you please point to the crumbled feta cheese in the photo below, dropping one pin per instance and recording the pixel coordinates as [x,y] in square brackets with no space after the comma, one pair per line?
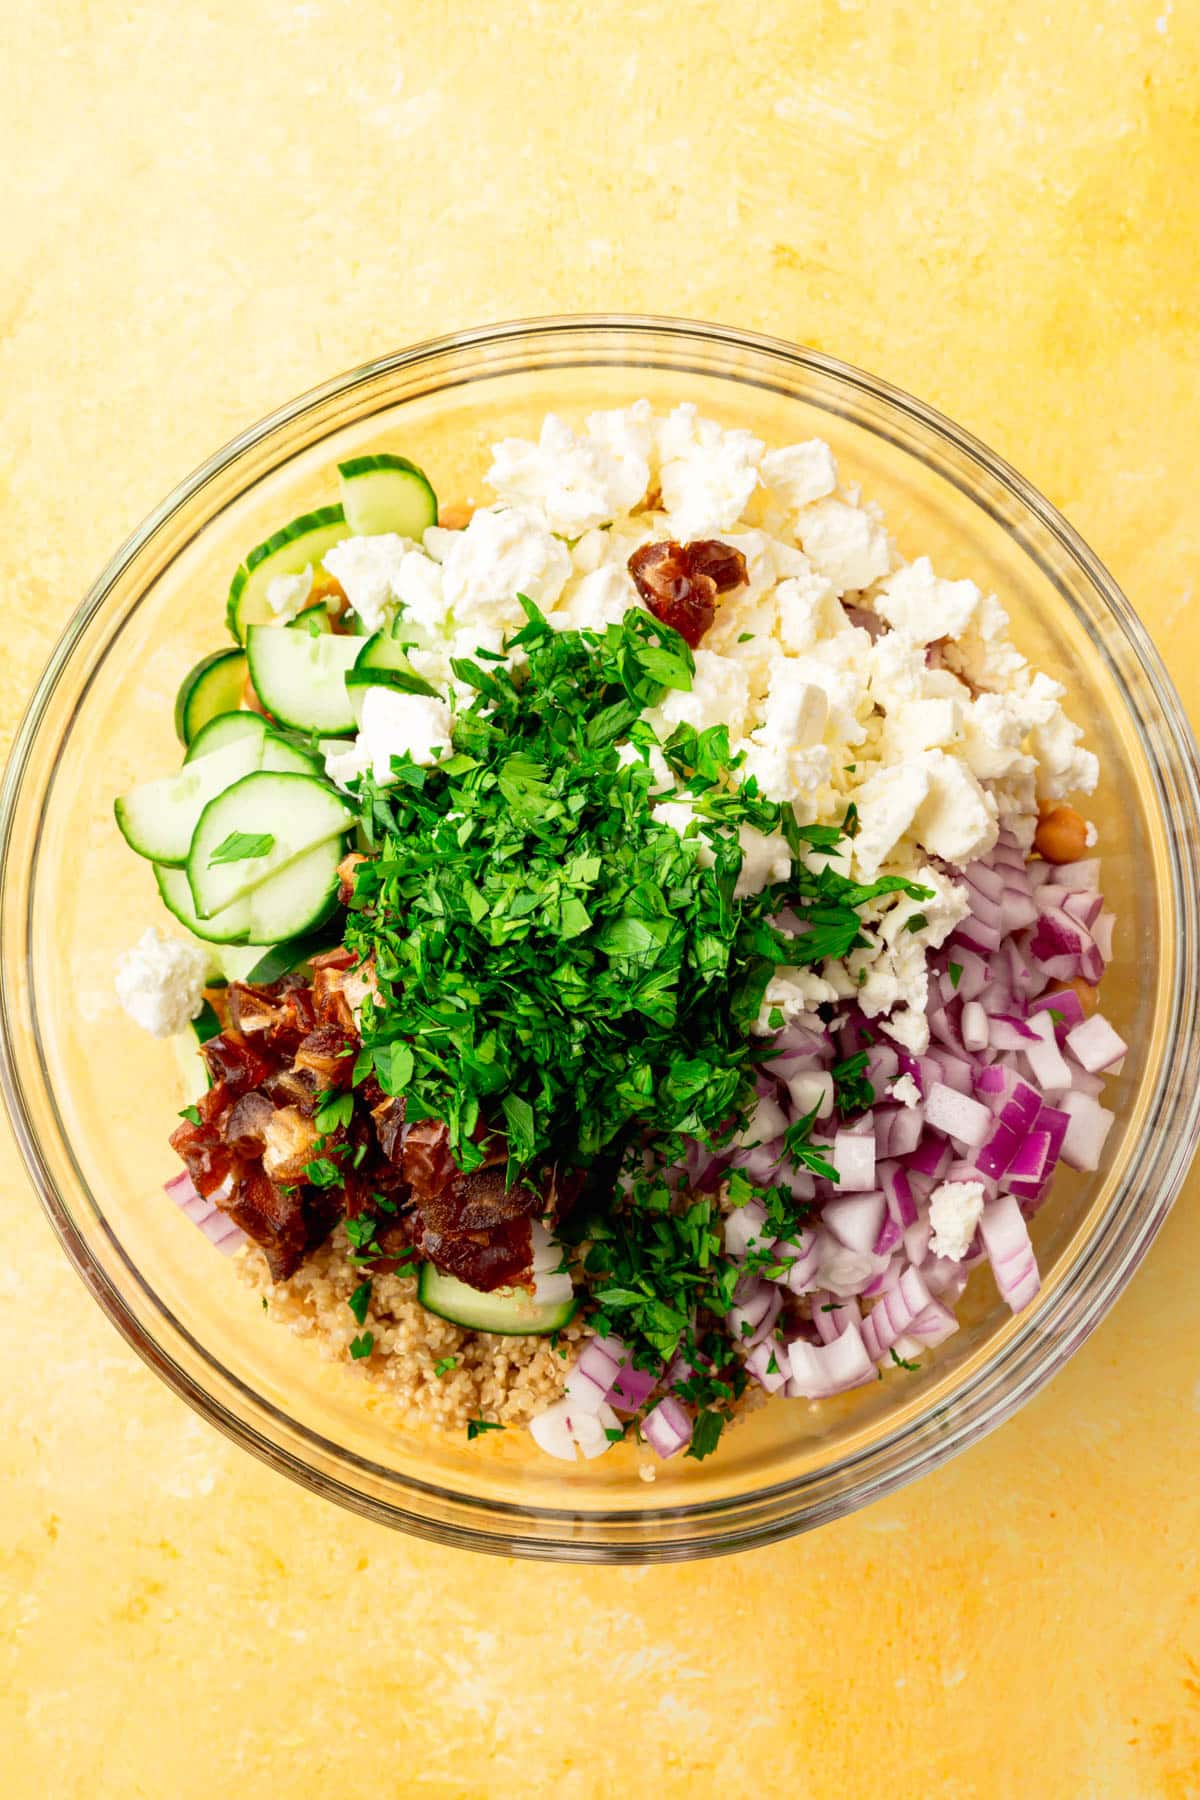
[845,543]
[707,475]
[393,724]
[501,553]
[904,1091]
[570,484]
[160,982]
[287,593]
[366,568]
[601,598]
[765,856]
[921,607]
[800,473]
[796,993]
[626,432]
[887,805]
[954,1212]
[720,695]
[957,820]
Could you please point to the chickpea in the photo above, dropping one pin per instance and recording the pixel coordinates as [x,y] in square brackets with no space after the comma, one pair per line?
[455,518]
[1061,836]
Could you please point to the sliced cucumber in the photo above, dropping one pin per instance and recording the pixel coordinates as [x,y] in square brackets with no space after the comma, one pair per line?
[227,928]
[236,961]
[158,818]
[281,757]
[282,959]
[383,656]
[314,619]
[225,728]
[213,686]
[510,1312]
[300,899]
[286,552]
[386,493]
[301,679]
[293,814]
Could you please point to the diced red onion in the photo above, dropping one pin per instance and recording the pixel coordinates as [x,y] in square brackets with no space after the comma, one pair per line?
[564,1428]
[770,1365]
[905,1132]
[854,1160]
[819,1370]
[216,1225]
[667,1428]
[957,1115]
[933,1326]
[1044,1056]
[804,1252]
[1083,1143]
[974,1027]
[1095,1044]
[744,1230]
[1080,877]
[1006,1238]
[897,1194]
[855,1220]
[1065,1001]
[596,1368]
[1102,935]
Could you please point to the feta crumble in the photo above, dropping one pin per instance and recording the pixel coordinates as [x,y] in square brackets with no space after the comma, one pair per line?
[393,724]
[160,983]
[955,1209]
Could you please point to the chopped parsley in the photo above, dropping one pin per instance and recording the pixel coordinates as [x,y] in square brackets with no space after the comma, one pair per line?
[477,1427]
[362,1345]
[918,921]
[359,1301]
[191,1114]
[1056,1017]
[242,846]
[444,1367]
[901,1363]
[955,970]
[854,1092]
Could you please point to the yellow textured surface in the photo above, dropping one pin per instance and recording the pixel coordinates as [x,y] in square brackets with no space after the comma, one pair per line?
[214,207]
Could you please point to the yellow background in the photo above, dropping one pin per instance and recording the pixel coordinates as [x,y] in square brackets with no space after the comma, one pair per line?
[217,205]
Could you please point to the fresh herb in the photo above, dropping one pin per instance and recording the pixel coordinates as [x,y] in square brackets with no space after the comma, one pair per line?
[745,637]
[362,1345]
[901,1363]
[322,1172]
[955,971]
[334,1111]
[444,1367]
[804,1154]
[775,1019]
[477,1427]
[1057,1017]
[359,1301]
[241,846]
[546,950]
[706,1434]
[918,921]
[854,1092]
[191,1114]
[614,1433]
[360,1231]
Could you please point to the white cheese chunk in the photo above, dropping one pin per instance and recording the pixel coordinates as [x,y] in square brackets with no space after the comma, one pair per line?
[160,982]
[955,1209]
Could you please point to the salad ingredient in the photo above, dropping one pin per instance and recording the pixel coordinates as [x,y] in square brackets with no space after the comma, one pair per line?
[507,1311]
[300,679]
[158,819]
[385,493]
[290,551]
[213,686]
[254,830]
[160,983]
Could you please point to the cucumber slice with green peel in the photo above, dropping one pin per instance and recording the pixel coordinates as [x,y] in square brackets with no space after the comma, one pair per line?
[192,1066]
[301,679]
[158,818]
[509,1312]
[279,757]
[283,958]
[300,899]
[213,686]
[386,652]
[235,961]
[403,681]
[314,619]
[286,552]
[228,928]
[386,493]
[253,831]
[224,729]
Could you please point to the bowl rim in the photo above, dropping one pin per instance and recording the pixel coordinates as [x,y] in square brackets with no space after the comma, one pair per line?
[1018,1354]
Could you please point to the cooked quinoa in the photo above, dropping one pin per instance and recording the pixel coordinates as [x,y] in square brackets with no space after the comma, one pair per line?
[505,1380]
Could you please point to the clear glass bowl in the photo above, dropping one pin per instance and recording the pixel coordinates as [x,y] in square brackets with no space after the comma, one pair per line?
[92,1099]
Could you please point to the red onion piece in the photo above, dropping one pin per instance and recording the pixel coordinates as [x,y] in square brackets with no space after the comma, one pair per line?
[667,1428]
[1006,1239]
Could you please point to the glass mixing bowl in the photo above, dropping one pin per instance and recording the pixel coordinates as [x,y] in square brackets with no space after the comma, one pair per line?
[92,1099]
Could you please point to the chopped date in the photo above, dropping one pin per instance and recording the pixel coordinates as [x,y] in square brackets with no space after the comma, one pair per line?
[680,582]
